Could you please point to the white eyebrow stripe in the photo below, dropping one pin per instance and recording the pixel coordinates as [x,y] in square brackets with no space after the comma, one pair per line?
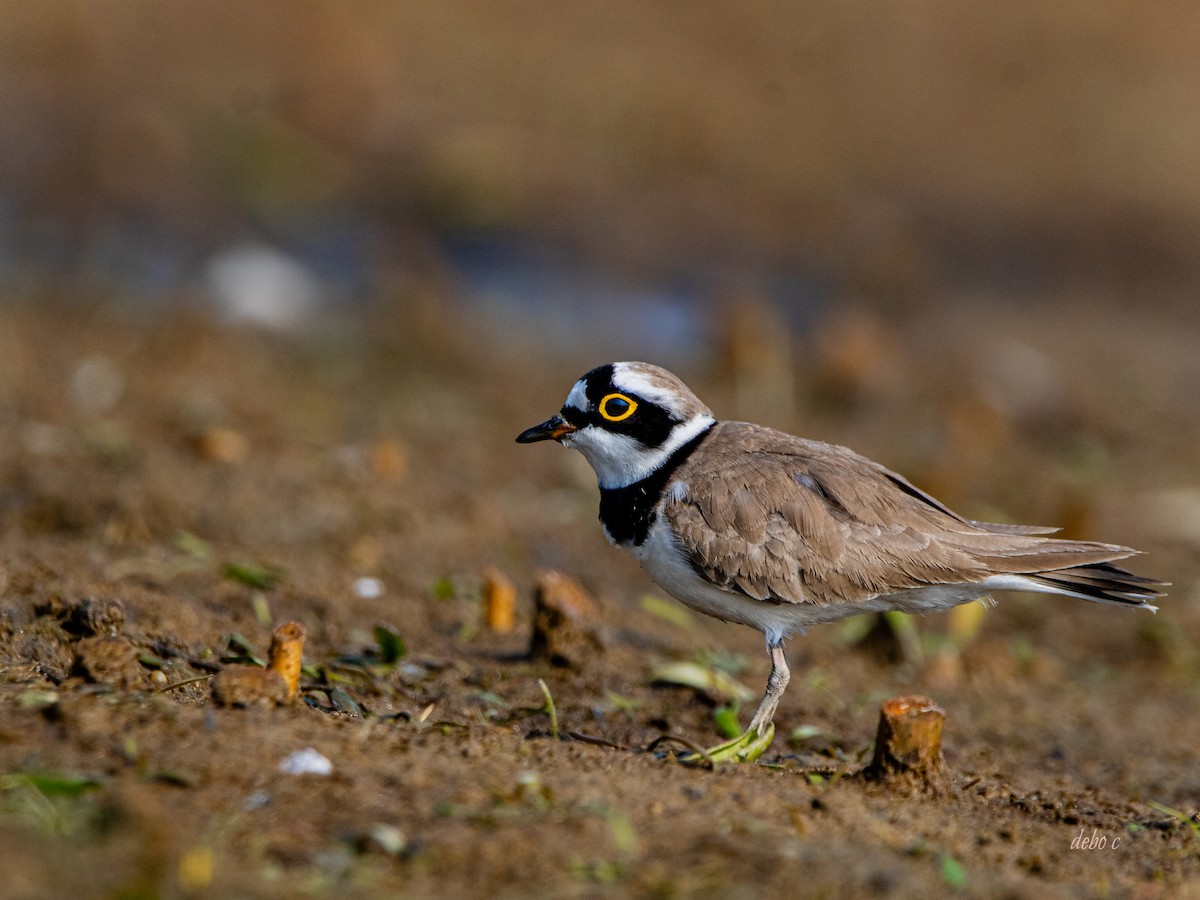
[578,396]
[634,382]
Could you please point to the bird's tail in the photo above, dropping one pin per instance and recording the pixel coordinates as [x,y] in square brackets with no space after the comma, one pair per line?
[1101,582]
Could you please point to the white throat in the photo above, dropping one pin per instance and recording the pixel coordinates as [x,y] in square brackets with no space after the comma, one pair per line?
[619,460]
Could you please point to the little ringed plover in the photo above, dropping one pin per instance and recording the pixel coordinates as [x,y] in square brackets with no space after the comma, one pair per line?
[752,525]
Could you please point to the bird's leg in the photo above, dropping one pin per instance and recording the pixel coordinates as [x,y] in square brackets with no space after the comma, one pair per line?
[776,685]
[753,743]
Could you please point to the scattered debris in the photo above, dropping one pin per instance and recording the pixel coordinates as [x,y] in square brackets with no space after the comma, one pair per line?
[564,622]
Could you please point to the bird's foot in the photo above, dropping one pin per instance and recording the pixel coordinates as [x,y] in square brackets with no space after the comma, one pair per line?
[745,748]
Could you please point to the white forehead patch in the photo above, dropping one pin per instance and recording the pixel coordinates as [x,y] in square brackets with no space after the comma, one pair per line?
[578,396]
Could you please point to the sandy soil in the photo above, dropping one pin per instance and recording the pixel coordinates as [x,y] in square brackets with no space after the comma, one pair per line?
[167,485]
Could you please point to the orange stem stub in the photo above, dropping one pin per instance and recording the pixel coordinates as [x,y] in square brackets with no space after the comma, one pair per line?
[500,601]
[909,741]
[287,655]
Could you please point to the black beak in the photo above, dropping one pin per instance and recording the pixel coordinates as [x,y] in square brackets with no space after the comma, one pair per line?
[550,430]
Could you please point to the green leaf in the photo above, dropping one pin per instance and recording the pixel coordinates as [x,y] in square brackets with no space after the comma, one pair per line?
[193,546]
[51,785]
[952,872]
[392,648]
[553,713]
[253,575]
[724,661]
[1191,821]
[802,733]
[702,678]
[389,838]
[626,705]
[904,627]
[624,836]
[37,698]
[726,720]
[238,643]
[240,650]
[262,609]
[668,611]
[174,777]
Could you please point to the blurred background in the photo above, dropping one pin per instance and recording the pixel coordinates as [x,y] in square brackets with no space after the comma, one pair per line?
[659,155]
[928,228]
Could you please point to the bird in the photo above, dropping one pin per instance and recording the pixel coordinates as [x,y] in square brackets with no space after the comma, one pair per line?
[755,526]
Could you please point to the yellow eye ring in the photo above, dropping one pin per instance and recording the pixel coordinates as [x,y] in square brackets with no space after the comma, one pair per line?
[631,407]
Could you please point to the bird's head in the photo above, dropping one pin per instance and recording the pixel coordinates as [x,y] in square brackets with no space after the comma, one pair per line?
[626,418]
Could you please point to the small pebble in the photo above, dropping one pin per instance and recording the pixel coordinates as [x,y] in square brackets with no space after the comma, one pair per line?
[368,588]
[256,800]
[306,762]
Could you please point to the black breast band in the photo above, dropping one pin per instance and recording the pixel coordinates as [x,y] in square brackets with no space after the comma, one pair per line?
[628,512]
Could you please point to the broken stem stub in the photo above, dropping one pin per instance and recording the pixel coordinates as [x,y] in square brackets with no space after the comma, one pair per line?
[287,655]
[908,745]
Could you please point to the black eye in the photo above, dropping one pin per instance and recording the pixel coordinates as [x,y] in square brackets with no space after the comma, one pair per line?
[617,407]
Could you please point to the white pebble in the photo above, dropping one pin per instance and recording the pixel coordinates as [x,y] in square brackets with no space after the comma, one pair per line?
[306,762]
[368,588]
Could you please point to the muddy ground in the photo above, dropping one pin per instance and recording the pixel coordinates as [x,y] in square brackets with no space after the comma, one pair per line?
[170,490]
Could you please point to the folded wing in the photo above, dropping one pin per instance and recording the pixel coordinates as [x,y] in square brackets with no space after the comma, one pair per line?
[783,519]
